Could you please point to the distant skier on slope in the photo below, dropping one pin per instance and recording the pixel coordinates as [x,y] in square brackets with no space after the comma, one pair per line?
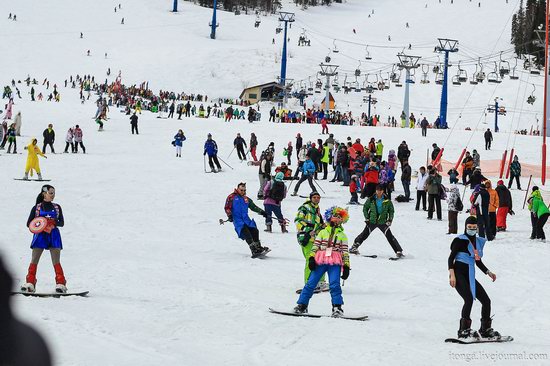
[211,148]
[236,209]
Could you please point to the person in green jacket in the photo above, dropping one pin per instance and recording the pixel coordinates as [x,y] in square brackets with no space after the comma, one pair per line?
[325,159]
[309,222]
[539,214]
[379,150]
[378,211]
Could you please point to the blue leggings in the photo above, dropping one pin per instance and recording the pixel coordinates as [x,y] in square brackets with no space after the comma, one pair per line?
[334,284]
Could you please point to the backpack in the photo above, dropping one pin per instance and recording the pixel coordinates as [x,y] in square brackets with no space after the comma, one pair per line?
[277,191]
[459,205]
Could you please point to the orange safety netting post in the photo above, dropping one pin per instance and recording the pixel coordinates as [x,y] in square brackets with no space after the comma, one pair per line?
[435,163]
[460,159]
[510,163]
[503,163]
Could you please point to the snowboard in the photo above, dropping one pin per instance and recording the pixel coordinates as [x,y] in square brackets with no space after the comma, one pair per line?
[307,315]
[369,255]
[472,340]
[262,254]
[33,180]
[316,291]
[52,294]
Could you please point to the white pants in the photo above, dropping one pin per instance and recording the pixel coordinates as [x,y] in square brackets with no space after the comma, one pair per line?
[178,150]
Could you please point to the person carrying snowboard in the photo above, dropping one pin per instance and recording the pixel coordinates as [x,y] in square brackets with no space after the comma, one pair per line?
[236,208]
[32,159]
[378,211]
[49,239]
[466,253]
[211,148]
[329,254]
[274,193]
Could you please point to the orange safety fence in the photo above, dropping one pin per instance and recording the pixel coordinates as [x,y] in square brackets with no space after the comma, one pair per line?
[491,168]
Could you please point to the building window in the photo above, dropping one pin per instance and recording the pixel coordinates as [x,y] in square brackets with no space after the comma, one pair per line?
[252,96]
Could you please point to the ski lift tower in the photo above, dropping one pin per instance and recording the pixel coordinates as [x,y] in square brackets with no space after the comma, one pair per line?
[498,110]
[213,24]
[287,18]
[328,71]
[407,62]
[447,46]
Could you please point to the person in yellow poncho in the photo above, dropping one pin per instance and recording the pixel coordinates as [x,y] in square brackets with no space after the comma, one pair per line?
[32,159]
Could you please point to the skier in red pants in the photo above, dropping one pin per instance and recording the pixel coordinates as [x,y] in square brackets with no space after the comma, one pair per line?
[504,206]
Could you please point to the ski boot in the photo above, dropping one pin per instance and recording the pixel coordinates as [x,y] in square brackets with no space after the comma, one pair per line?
[39,176]
[26,177]
[294,194]
[337,311]
[30,285]
[486,331]
[399,255]
[465,331]
[257,249]
[267,228]
[354,248]
[60,279]
[300,309]
[283,229]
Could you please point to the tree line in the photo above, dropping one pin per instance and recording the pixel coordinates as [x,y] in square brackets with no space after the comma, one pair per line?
[267,6]
[529,19]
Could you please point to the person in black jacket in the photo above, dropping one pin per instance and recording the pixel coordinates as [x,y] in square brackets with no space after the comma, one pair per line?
[488,138]
[239,143]
[134,123]
[504,205]
[466,254]
[435,151]
[406,178]
[424,125]
[315,157]
[476,178]
[299,144]
[403,152]
[49,138]
[481,204]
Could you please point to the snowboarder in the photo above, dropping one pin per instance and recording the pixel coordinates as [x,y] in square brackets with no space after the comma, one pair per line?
[236,208]
[329,254]
[274,193]
[49,238]
[49,138]
[32,160]
[179,138]
[466,253]
[378,211]
[239,143]
[211,148]
[134,123]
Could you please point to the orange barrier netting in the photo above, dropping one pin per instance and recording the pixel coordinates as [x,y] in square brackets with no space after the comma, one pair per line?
[491,168]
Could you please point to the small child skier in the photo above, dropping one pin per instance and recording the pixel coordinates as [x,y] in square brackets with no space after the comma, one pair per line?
[353,191]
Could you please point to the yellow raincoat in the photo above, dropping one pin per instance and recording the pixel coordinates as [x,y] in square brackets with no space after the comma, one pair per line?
[32,158]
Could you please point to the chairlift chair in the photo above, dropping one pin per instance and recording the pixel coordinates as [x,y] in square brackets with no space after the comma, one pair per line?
[335,49]
[504,68]
[439,78]
[456,80]
[532,98]
[367,54]
[462,74]
[513,75]
[425,71]
[492,77]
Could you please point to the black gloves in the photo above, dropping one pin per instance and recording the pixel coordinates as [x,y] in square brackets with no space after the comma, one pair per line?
[263,213]
[230,218]
[303,238]
[512,213]
[345,273]
[311,263]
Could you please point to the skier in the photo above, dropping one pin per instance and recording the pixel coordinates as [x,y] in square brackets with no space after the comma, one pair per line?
[476,178]
[466,253]
[49,239]
[274,193]
[329,254]
[49,138]
[421,189]
[264,172]
[69,140]
[515,172]
[253,146]
[488,138]
[134,123]
[78,139]
[236,208]
[32,160]
[504,205]
[179,138]
[378,211]
[211,148]
[539,214]
[239,143]
[308,170]
[424,125]
[12,139]
[476,158]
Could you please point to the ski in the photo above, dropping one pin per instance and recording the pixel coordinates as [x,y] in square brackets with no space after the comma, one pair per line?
[369,255]
[396,258]
[33,180]
[472,340]
[53,294]
[307,315]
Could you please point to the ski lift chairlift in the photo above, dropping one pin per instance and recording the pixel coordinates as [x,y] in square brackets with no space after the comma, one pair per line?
[456,80]
[462,74]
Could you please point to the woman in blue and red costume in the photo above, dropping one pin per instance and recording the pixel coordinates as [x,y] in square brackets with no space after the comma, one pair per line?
[49,239]
[466,254]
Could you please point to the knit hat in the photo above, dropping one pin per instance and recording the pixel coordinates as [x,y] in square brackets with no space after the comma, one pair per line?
[500,182]
[279,177]
[337,211]
[314,193]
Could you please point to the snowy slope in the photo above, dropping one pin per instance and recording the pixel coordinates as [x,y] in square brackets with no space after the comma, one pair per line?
[170,285]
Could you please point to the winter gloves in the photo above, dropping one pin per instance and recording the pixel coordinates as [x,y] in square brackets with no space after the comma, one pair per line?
[311,263]
[303,238]
[345,273]
[230,218]
[263,213]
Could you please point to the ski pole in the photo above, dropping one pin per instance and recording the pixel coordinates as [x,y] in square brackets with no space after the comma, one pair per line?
[527,191]
[226,163]
[290,185]
[464,193]
[318,185]
[231,152]
[204,163]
